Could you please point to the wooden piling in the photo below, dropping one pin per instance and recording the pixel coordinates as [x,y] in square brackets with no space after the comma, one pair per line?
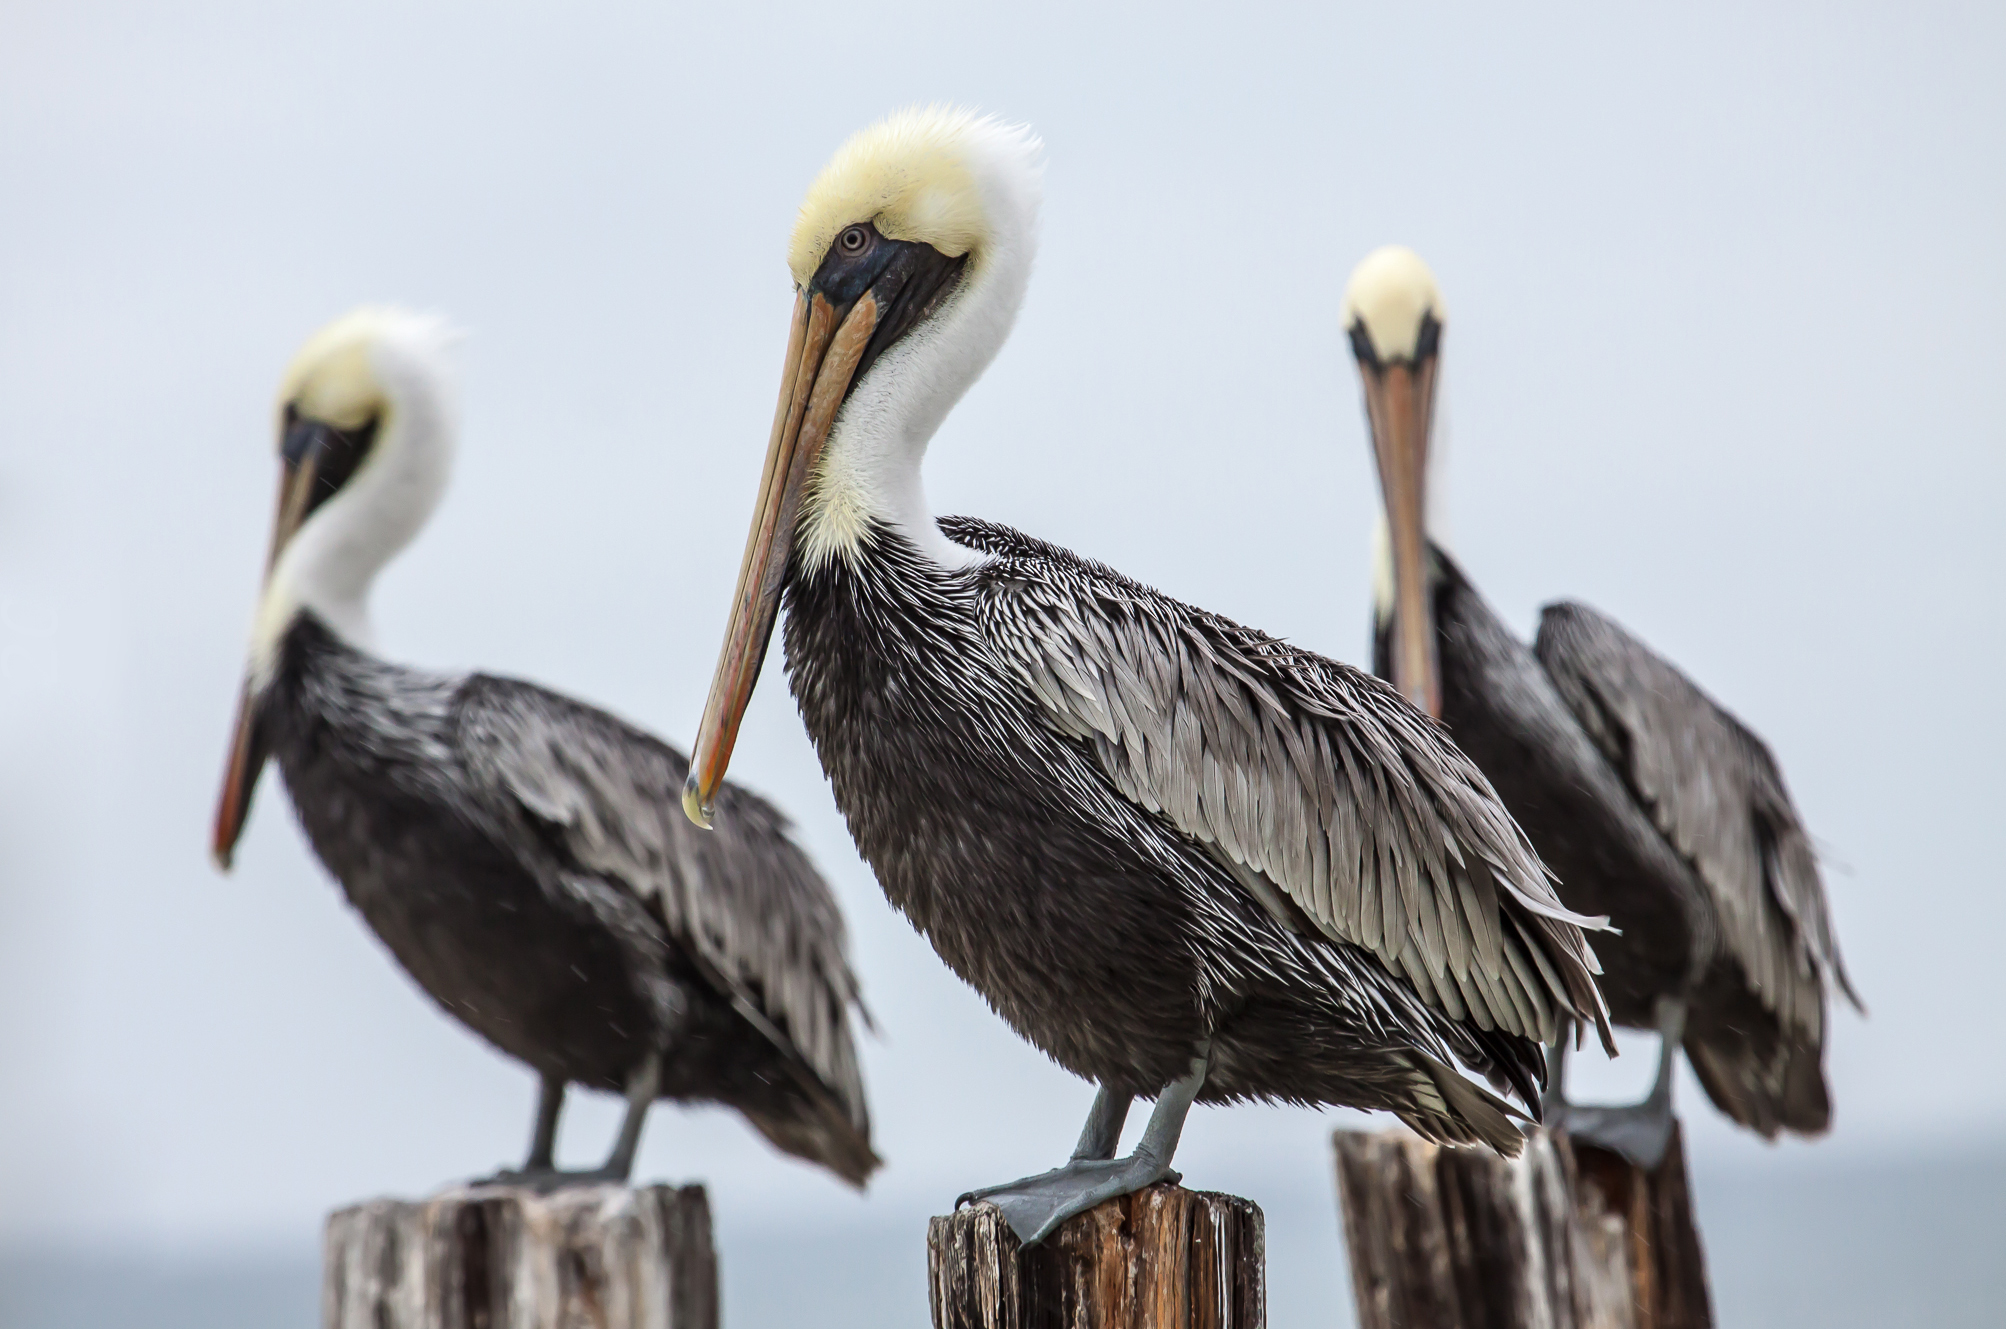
[500,1257]
[1654,1211]
[1162,1258]
[1564,1237]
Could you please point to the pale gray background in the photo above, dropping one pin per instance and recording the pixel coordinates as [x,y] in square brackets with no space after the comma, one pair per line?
[1725,336]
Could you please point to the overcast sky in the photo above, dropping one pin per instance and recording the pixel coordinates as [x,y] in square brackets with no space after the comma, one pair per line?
[1725,336]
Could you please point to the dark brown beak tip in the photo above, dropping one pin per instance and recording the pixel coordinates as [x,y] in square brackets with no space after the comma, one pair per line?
[223,837]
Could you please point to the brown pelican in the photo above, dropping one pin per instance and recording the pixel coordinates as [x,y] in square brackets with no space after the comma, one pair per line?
[520,853]
[1653,804]
[1182,858]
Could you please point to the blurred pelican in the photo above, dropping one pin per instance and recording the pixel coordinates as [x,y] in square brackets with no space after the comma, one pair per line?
[1653,804]
[520,853]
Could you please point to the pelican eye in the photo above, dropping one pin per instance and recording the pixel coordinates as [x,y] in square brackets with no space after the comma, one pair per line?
[854,240]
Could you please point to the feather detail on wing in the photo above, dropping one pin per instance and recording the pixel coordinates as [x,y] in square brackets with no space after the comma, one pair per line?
[743,900]
[1332,800]
[1714,790]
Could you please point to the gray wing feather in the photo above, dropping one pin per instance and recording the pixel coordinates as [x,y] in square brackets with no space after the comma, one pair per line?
[743,900]
[1714,790]
[1313,783]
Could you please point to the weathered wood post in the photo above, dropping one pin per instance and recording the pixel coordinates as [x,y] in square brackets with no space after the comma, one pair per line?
[501,1257]
[1564,1237]
[1654,1211]
[1162,1258]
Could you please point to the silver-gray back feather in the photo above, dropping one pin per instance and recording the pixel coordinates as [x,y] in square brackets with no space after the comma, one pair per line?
[1336,803]
[743,899]
[1714,790]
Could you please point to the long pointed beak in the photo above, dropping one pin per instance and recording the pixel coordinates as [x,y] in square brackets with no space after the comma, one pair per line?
[1399,401]
[246,761]
[824,347]
[249,748]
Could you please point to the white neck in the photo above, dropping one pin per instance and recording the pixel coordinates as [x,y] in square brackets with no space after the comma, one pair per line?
[869,471]
[1382,570]
[331,562]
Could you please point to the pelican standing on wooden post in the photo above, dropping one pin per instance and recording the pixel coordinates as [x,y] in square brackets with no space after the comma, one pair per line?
[521,853]
[1182,858]
[1651,802]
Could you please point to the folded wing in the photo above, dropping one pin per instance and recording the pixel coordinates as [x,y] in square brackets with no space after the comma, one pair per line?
[743,901]
[1344,810]
[1715,792]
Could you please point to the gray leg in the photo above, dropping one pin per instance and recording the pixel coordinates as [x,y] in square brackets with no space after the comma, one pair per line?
[642,1086]
[543,1145]
[1671,1014]
[1035,1206]
[1553,1098]
[540,1174]
[1102,1135]
[1642,1131]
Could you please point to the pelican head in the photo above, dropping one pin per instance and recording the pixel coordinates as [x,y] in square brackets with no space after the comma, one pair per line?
[365,432]
[910,257]
[1393,313]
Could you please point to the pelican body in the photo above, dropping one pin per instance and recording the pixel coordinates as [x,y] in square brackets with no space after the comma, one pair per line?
[518,852]
[1651,802]
[1183,859]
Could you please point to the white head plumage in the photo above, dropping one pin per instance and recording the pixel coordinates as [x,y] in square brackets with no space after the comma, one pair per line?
[963,184]
[1390,294]
[382,371]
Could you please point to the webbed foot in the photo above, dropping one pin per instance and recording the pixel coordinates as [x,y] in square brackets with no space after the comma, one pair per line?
[546,1180]
[1641,1133]
[1036,1206]
[540,1174]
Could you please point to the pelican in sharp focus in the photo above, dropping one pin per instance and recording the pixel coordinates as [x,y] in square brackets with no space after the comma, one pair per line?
[1653,804]
[1182,858]
[521,853]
